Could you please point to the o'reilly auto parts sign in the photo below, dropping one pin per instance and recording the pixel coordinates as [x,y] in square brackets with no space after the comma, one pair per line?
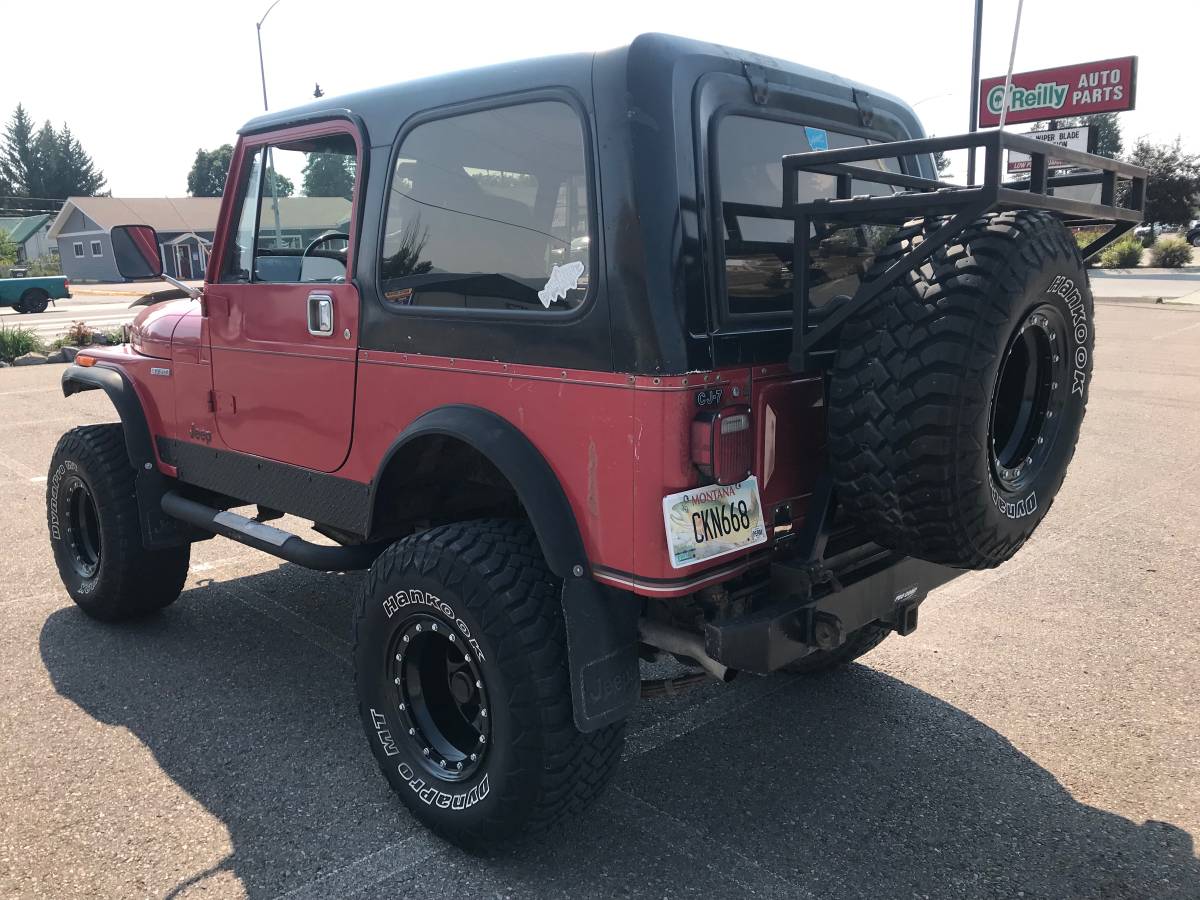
[1080,90]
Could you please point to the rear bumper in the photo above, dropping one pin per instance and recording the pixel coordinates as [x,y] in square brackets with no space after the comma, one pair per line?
[821,616]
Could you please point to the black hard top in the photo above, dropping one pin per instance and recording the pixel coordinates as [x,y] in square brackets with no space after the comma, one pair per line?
[382,107]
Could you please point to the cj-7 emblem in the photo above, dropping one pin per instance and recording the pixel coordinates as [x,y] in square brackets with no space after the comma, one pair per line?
[709,397]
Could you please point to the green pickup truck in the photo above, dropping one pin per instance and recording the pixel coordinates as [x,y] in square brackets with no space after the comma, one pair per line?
[32,295]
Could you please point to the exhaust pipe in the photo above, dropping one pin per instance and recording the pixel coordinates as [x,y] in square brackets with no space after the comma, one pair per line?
[683,643]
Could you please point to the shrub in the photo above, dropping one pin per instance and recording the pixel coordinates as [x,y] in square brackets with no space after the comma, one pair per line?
[18,341]
[114,335]
[1170,253]
[78,335]
[1123,254]
[1083,237]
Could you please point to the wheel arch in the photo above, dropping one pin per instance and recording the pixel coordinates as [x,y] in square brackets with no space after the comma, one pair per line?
[158,529]
[120,391]
[514,457]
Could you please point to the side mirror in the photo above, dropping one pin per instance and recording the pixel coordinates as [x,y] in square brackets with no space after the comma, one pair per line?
[136,253]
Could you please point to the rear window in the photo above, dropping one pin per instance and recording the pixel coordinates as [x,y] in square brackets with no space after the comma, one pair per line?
[489,210]
[758,251]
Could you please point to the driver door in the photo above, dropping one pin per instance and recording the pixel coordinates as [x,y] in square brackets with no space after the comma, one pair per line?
[282,311]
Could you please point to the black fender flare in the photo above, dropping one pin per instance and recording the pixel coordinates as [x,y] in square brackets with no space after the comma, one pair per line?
[158,529]
[519,461]
[601,624]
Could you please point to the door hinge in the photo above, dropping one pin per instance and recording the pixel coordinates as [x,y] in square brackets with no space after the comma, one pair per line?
[221,402]
[866,112]
[757,76]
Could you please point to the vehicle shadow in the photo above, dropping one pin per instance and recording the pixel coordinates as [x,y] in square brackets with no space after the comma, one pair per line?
[853,784]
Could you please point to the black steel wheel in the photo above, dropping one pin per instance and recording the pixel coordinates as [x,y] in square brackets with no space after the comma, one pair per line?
[464,693]
[95,533]
[1021,435]
[440,699]
[82,525]
[34,300]
[956,398]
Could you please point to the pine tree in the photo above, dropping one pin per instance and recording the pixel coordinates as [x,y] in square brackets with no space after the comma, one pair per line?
[16,157]
[47,164]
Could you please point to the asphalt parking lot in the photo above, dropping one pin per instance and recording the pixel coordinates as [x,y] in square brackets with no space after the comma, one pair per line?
[1039,735]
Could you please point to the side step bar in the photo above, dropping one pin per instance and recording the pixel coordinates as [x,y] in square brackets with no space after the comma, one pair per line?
[270,539]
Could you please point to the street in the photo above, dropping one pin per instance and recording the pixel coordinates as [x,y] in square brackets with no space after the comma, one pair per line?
[1036,737]
[100,311]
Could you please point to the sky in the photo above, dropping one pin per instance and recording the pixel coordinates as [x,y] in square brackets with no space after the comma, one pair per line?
[144,84]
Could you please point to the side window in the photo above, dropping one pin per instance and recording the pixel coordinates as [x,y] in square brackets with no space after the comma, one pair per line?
[489,210]
[293,218]
[758,251]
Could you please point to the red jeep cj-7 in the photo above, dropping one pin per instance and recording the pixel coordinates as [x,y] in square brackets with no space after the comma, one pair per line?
[532,345]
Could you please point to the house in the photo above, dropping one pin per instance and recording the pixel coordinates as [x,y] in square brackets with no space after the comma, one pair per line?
[31,234]
[185,227]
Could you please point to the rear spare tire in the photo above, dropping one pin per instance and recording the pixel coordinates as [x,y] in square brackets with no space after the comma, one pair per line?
[956,398]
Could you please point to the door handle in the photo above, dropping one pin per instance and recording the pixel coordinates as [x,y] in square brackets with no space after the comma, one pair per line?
[320,314]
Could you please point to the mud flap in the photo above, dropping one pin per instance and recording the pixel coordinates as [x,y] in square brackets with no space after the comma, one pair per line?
[601,652]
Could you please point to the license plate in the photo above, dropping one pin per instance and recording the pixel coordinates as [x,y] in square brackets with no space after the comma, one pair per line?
[712,521]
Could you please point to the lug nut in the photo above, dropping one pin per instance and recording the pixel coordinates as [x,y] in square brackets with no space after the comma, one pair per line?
[434,626]
[426,751]
[474,757]
[452,637]
[418,627]
[483,712]
[460,766]
[402,706]
[397,680]
[483,739]
[412,731]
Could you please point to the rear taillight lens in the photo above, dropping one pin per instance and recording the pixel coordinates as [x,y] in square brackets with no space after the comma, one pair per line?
[723,444]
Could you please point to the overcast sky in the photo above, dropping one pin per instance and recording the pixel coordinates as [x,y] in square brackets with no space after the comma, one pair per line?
[143,84]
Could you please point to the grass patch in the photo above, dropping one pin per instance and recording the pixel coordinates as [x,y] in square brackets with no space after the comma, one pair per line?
[17,341]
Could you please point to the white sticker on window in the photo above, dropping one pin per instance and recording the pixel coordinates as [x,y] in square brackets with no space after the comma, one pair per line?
[562,279]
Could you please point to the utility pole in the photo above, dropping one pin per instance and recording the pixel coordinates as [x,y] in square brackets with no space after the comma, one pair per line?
[977,43]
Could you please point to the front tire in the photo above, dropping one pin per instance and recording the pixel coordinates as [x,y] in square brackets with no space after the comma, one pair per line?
[464,692]
[95,533]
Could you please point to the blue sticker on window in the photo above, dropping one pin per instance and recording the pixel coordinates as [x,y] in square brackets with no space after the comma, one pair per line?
[818,138]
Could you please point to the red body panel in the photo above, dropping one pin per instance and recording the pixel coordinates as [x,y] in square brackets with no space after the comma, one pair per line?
[618,443]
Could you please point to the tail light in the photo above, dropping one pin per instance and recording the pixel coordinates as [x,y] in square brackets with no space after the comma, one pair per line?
[723,444]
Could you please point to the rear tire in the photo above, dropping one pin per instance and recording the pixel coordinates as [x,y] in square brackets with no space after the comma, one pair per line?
[957,397]
[464,693]
[95,533]
[857,644]
[34,300]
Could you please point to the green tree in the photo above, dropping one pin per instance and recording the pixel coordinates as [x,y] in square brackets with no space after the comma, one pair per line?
[47,164]
[329,175]
[16,157]
[1173,185]
[75,172]
[209,171]
[284,187]
[8,252]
